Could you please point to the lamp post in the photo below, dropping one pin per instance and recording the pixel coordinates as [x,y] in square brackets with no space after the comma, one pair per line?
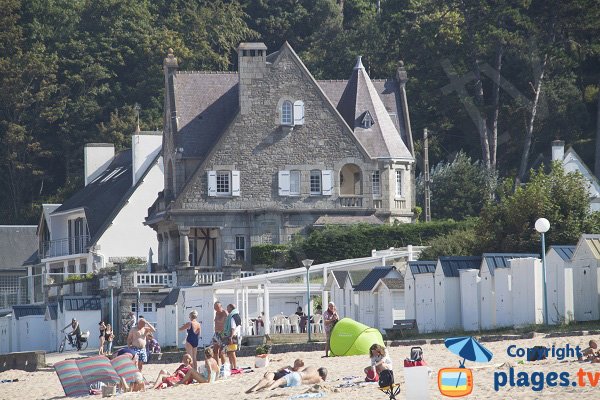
[542,225]
[307,263]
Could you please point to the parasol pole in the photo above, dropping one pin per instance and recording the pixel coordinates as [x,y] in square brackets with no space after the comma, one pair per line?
[462,365]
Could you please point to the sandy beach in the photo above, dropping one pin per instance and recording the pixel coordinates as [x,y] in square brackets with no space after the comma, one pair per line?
[45,384]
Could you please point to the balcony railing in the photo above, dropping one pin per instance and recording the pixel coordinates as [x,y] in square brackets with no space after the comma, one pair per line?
[246,274]
[207,278]
[168,279]
[351,202]
[65,247]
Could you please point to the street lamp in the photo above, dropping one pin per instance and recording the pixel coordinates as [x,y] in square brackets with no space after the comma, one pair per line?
[542,225]
[307,263]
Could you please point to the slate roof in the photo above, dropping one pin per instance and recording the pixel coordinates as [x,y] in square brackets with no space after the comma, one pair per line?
[348,220]
[593,242]
[393,283]
[80,304]
[52,311]
[170,299]
[207,102]
[372,278]
[565,252]
[103,198]
[18,246]
[500,260]
[451,265]
[29,309]
[382,139]
[422,267]
[341,277]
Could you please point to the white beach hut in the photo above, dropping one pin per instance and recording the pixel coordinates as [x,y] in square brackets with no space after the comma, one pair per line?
[490,264]
[390,292]
[527,291]
[585,261]
[339,284]
[559,284]
[425,301]
[469,299]
[447,290]
[410,294]
[368,301]
[503,297]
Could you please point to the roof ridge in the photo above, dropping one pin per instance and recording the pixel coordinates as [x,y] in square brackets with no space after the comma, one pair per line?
[206,72]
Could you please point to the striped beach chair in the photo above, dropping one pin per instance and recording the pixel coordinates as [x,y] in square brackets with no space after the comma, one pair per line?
[126,368]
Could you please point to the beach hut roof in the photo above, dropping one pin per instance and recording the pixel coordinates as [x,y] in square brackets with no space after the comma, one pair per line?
[451,265]
[565,252]
[391,283]
[170,299]
[372,278]
[501,260]
[422,267]
[26,310]
[340,277]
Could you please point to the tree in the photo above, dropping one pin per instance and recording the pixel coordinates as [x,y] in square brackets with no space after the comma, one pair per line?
[459,189]
[560,197]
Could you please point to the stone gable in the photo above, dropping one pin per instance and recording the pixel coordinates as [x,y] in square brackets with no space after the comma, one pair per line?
[256,145]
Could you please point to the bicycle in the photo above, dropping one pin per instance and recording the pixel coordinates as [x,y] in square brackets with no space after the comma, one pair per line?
[83,343]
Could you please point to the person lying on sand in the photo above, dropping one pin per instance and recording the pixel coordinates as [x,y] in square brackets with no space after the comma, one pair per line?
[591,353]
[270,377]
[209,375]
[308,376]
[165,379]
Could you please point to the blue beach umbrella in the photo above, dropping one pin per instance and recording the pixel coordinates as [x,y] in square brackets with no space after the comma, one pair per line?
[468,348]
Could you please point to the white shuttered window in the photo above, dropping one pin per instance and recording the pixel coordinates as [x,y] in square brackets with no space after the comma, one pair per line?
[327,182]
[294,183]
[284,183]
[299,112]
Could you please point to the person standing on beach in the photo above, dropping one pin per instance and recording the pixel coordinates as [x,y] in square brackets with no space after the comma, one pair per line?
[330,318]
[233,325]
[136,340]
[102,329]
[217,340]
[109,336]
[191,340]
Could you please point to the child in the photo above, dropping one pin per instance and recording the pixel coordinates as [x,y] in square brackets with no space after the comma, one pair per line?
[209,375]
[380,360]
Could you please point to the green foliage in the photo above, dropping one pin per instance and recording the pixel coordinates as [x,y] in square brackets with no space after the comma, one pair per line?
[461,242]
[560,197]
[270,254]
[264,349]
[79,277]
[459,189]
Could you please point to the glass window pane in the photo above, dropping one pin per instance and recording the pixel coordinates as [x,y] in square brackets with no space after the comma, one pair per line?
[286,113]
[376,184]
[315,182]
[398,183]
[295,182]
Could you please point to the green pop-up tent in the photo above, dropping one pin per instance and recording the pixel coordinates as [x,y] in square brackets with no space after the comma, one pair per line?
[351,338]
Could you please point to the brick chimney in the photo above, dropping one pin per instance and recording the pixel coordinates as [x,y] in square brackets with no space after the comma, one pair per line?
[96,158]
[252,64]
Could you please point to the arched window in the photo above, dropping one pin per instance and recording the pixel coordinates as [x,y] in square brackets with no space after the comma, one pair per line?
[287,117]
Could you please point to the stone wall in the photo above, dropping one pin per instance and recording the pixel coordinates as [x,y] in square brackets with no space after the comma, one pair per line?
[27,361]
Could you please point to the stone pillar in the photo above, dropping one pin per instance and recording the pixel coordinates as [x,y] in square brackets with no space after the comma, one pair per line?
[184,247]
[171,256]
[160,254]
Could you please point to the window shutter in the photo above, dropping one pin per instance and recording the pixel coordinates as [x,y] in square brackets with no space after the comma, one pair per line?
[235,183]
[284,183]
[327,182]
[212,183]
[299,112]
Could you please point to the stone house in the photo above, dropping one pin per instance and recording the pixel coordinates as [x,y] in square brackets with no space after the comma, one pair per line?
[256,156]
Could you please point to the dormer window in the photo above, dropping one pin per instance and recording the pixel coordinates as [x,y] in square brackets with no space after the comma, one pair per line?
[292,114]
[287,117]
[367,120]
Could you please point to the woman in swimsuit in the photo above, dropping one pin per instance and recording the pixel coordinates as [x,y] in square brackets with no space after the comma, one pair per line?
[209,375]
[102,329]
[193,334]
[109,337]
[164,379]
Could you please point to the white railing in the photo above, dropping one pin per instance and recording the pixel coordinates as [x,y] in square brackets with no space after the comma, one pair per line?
[245,274]
[207,278]
[399,203]
[142,279]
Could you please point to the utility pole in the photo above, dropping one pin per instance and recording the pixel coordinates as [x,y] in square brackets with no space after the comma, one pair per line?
[426,175]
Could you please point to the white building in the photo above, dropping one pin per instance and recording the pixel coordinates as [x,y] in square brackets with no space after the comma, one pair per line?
[390,295]
[105,219]
[490,264]
[410,293]
[369,301]
[527,291]
[469,299]
[559,284]
[573,163]
[341,292]
[585,261]
[447,290]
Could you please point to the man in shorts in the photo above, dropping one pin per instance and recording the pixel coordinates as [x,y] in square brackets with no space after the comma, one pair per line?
[217,339]
[308,376]
[136,340]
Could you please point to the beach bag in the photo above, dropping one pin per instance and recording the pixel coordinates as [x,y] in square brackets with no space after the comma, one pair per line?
[372,376]
[386,378]
[416,354]
[536,353]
